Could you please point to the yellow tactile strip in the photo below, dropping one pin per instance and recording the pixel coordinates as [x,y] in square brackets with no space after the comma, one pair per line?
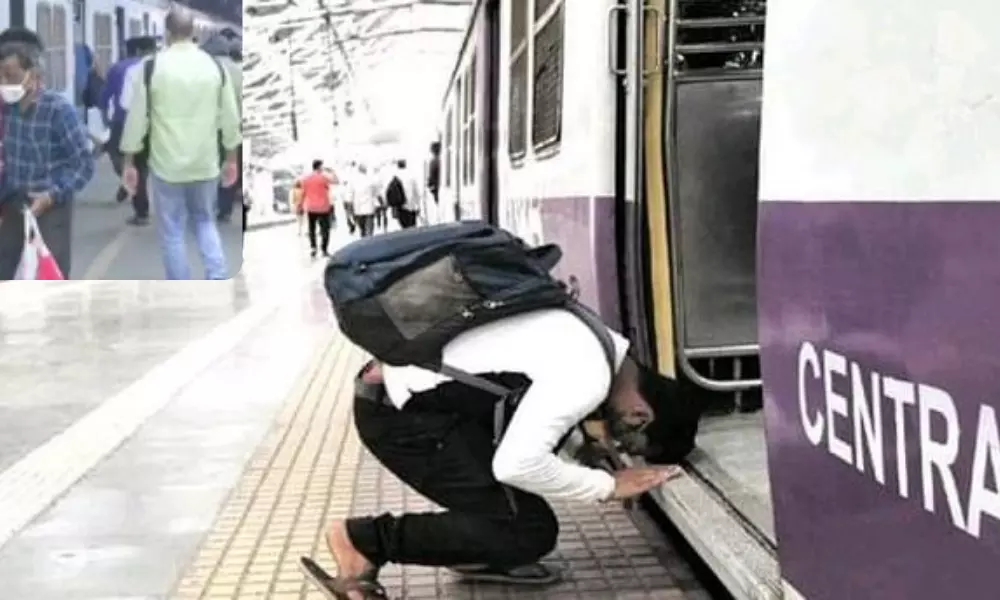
[312,468]
[277,512]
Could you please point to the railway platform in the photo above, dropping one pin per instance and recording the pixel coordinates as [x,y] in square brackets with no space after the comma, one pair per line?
[191,440]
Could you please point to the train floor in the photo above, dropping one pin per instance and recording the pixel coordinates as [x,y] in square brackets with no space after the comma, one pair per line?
[191,440]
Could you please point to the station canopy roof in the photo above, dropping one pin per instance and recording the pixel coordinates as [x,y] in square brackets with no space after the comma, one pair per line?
[325,74]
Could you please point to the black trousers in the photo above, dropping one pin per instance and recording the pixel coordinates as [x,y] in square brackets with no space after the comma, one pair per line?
[407,218]
[322,221]
[447,458]
[366,224]
[140,200]
[56,225]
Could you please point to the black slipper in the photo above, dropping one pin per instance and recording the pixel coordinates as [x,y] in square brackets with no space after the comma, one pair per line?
[336,588]
[534,574]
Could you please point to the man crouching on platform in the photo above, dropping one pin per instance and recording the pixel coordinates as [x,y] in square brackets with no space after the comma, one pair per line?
[437,435]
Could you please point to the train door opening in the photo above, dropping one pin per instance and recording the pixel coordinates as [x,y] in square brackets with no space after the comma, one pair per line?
[491,118]
[711,140]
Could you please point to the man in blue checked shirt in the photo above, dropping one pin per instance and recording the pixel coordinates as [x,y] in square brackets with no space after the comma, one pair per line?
[46,158]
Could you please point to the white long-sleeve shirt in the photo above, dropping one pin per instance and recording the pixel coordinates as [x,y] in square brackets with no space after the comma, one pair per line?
[367,195]
[570,378]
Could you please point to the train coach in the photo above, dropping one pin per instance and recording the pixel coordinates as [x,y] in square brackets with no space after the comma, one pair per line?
[103,25]
[824,273]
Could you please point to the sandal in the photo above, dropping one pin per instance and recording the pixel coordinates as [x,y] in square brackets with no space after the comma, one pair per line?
[337,588]
[534,574]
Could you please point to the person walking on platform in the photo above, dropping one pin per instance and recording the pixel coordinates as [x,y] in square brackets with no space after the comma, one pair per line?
[366,201]
[46,157]
[402,195]
[514,367]
[115,100]
[181,102]
[300,212]
[318,207]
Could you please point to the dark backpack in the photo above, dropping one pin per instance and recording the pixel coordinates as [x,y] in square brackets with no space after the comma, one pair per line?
[395,195]
[403,295]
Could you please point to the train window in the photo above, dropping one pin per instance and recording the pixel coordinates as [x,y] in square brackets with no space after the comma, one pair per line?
[517,136]
[449,132]
[43,23]
[720,36]
[517,100]
[104,46]
[459,142]
[134,28]
[541,6]
[51,26]
[469,123]
[518,24]
[547,80]
[145,23]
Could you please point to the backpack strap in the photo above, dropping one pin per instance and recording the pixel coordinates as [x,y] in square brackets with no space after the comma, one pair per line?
[147,78]
[505,395]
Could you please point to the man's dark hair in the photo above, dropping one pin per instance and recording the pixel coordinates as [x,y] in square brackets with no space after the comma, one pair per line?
[21,35]
[317,165]
[677,406]
[28,55]
[401,163]
[435,148]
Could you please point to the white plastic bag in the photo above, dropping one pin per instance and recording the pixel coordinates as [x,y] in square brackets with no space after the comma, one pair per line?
[37,263]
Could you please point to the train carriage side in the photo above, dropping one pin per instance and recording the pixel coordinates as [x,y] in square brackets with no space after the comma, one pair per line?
[555,142]
[879,288]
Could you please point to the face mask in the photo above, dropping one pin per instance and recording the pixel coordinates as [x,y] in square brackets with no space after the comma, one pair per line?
[12,94]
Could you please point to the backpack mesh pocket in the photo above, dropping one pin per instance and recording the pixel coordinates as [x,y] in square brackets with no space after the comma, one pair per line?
[427,297]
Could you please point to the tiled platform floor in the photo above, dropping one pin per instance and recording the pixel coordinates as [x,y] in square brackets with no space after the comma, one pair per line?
[311,468]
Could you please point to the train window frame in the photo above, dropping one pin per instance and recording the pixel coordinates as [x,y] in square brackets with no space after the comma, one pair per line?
[104,40]
[549,145]
[718,40]
[459,139]
[520,40]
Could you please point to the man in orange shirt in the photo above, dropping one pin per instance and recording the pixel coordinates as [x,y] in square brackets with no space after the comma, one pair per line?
[317,206]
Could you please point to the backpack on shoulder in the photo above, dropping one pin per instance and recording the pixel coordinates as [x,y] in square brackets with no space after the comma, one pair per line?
[395,195]
[403,296]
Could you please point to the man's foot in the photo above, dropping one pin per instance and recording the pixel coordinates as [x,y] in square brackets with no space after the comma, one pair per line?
[351,564]
[138,221]
[312,253]
[121,195]
[341,588]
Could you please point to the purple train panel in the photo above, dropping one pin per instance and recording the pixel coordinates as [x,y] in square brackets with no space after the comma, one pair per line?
[880,335]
